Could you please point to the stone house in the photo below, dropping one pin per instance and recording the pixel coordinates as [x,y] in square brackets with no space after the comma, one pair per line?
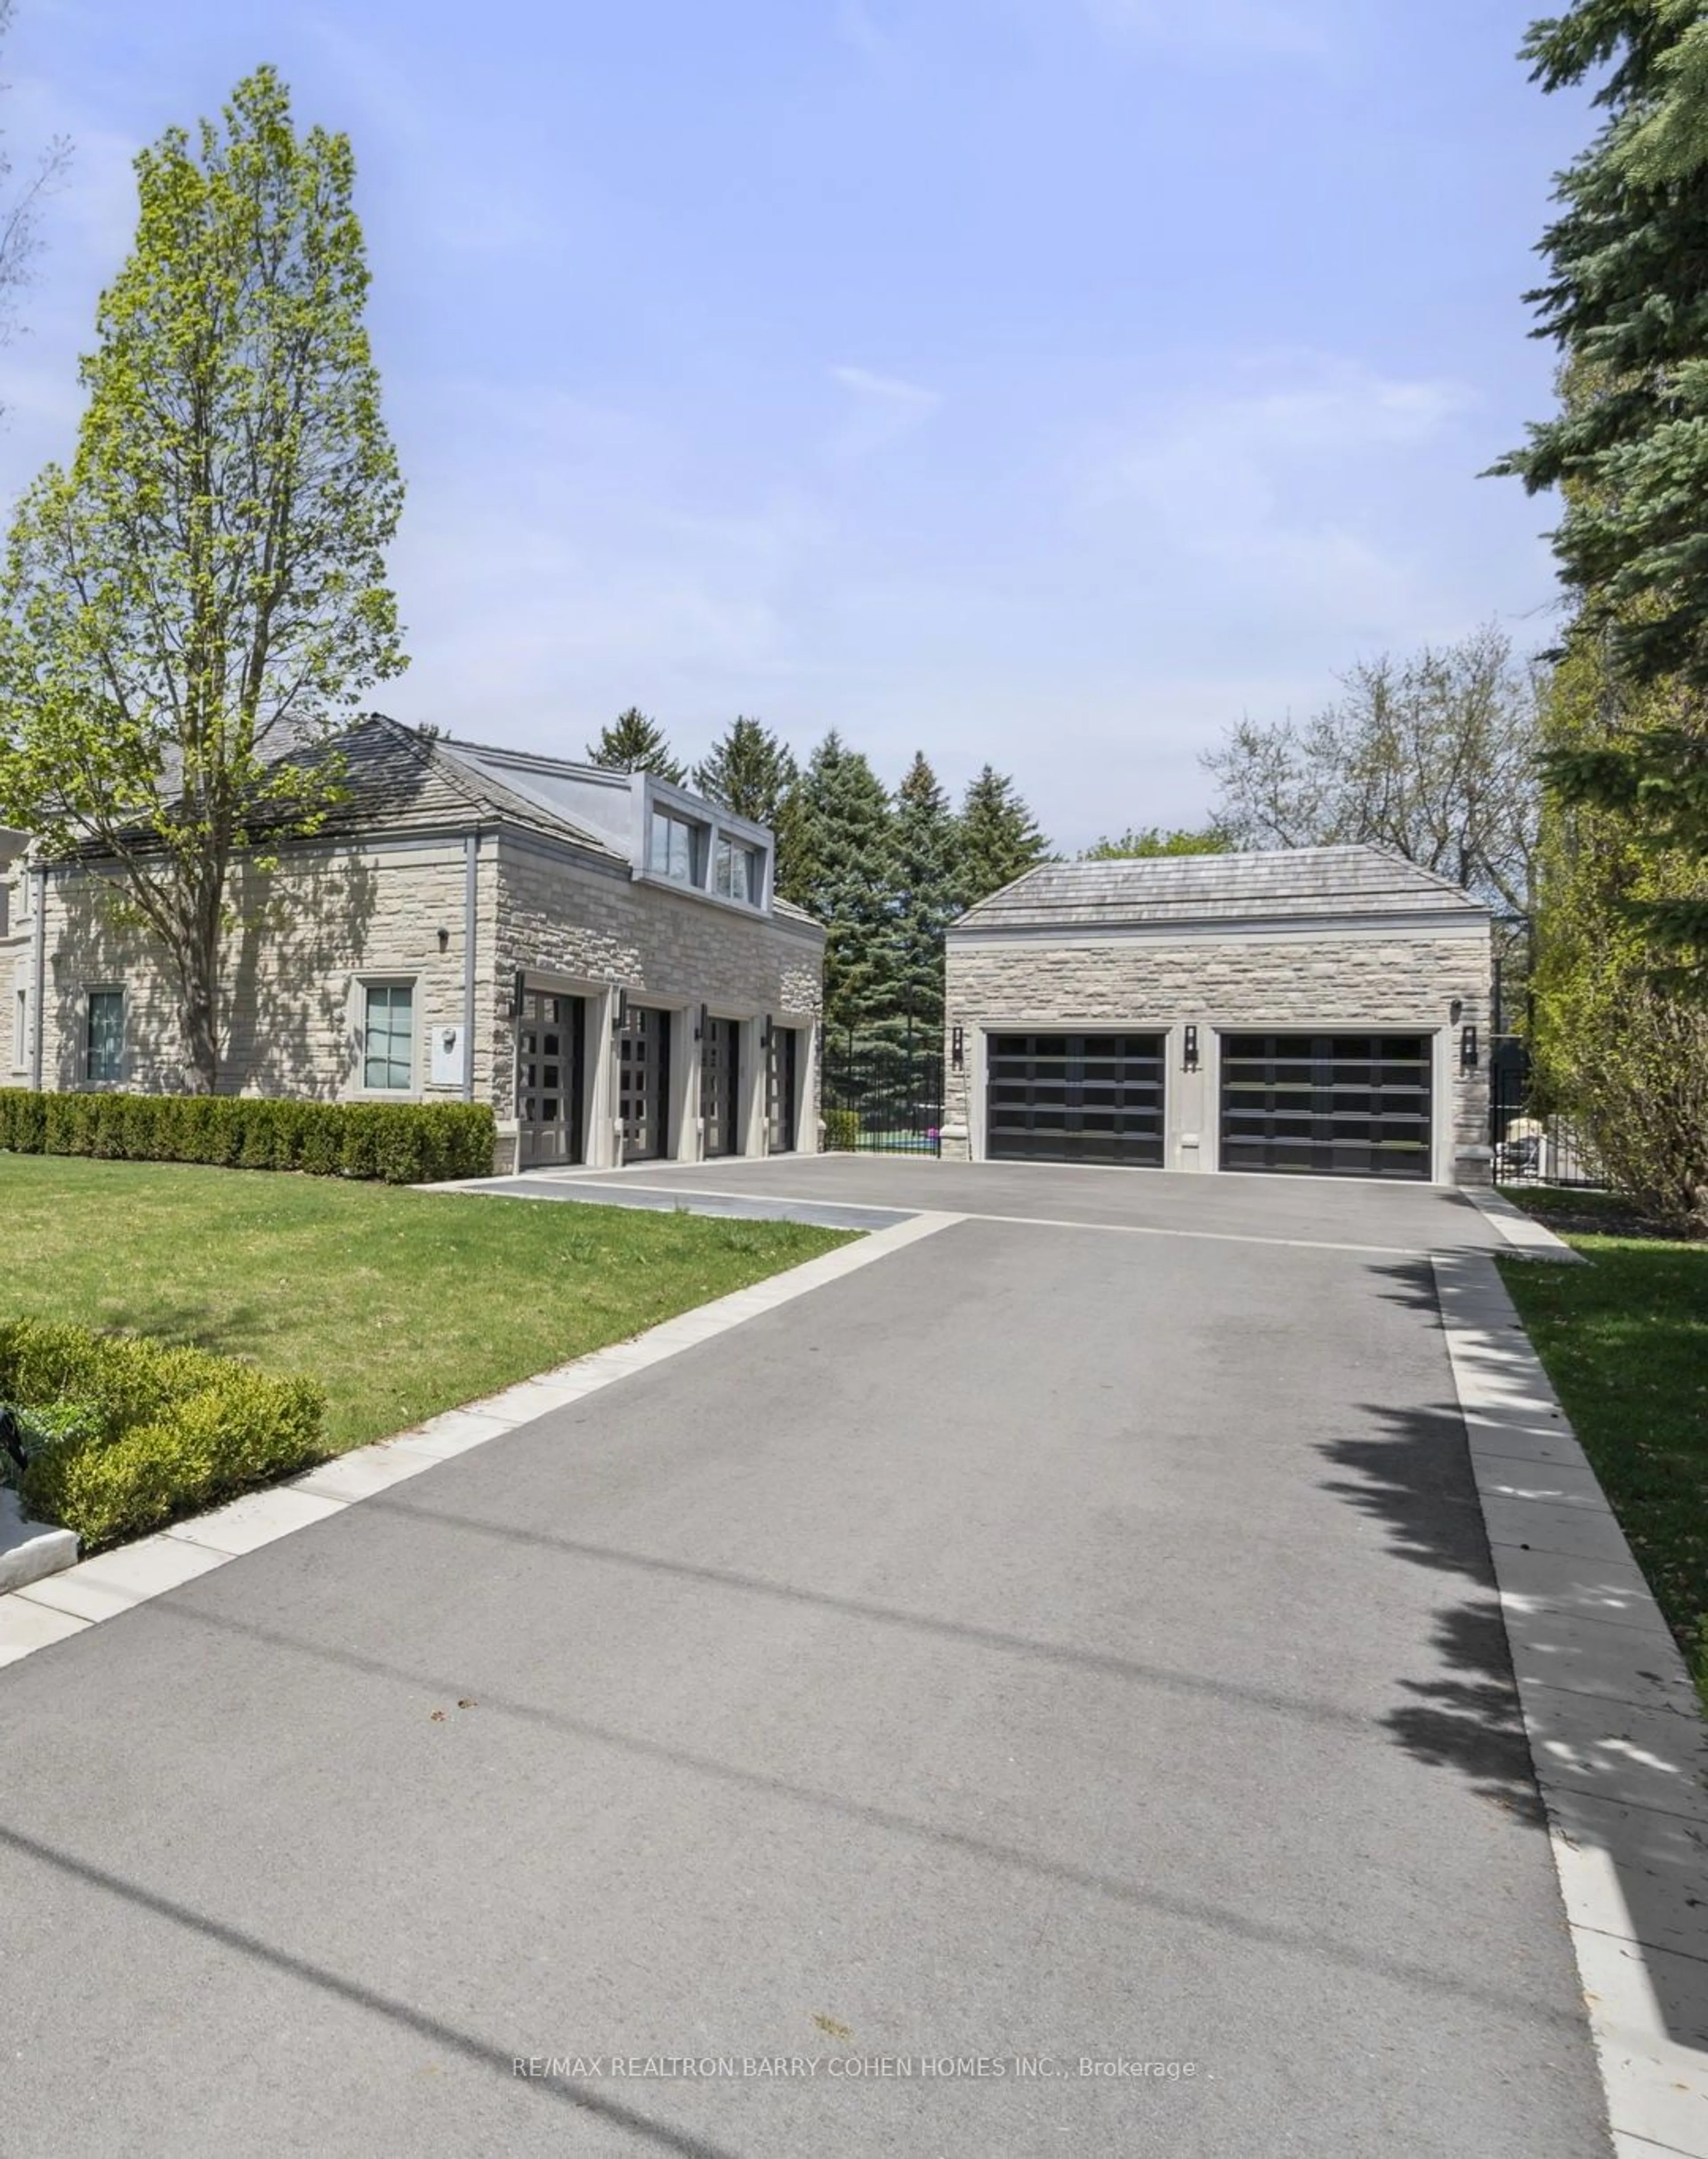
[1323,1011]
[600,955]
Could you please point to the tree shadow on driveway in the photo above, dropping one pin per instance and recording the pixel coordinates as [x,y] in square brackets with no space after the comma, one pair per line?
[1414,1473]
[1414,1476]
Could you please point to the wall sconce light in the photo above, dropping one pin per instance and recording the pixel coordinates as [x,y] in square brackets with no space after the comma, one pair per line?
[1456,1010]
[518,991]
[619,1011]
[703,1024]
[957,1047]
[1467,1049]
[444,940]
[765,1033]
[1188,1052]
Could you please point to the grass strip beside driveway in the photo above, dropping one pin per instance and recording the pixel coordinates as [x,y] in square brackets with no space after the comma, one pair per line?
[399,1303]
[1625,1341]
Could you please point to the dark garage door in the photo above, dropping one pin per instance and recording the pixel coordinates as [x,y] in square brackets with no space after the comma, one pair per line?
[1075,1098]
[1326,1104]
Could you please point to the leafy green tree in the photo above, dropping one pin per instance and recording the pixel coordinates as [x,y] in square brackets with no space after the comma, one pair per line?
[845,882]
[999,839]
[924,874]
[1623,1056]
[204,589]
[1146,843]
[632,742]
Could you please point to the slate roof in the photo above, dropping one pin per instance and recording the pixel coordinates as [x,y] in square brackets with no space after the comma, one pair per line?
[1297,885]
[393,775]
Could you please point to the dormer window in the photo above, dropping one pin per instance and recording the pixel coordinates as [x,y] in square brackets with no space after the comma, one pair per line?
[738,871]
[677,848]
[698,847]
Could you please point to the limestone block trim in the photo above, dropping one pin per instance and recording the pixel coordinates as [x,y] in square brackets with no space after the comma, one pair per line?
[1317,929]
[361,981]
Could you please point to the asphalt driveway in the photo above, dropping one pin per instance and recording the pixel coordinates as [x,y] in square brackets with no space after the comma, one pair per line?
[1049,1644]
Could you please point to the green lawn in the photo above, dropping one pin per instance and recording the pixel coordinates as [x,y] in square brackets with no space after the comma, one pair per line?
[401,1303]
[1625,1340]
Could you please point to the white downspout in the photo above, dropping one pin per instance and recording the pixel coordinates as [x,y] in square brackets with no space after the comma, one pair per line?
[38,972]
[471,848]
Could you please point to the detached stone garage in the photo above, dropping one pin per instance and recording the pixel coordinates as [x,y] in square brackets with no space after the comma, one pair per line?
[1319,1012]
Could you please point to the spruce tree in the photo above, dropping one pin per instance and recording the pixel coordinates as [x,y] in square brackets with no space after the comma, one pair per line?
[1626,294]
[999,838]
[845,881]
[748,772]
[632,742]
[751,773]
[1627,305]
[924,870]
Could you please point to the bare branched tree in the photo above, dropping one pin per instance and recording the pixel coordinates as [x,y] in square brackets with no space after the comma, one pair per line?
[1433,757]
[20,212]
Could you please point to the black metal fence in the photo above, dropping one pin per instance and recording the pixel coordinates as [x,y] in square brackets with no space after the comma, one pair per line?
[883,1092]
[1533,1144]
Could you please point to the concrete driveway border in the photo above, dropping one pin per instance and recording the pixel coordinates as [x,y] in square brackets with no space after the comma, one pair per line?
[41,1613]
[1614,1722]
[29,1550]
[1522,1231]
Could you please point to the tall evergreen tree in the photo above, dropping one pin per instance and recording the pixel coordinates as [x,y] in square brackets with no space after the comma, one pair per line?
[204,589]
[845,882]
[632,742]
[999,838]
[1626,293]
[1628,304]
[925,873]
[748,771]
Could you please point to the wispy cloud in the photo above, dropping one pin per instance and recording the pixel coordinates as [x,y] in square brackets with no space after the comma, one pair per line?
[879,410]
[1203,455]
[887,389]
[1276,496]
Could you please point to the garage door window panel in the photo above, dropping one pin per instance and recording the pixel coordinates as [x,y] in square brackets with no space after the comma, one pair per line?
[1354,1105]
[1078,1097]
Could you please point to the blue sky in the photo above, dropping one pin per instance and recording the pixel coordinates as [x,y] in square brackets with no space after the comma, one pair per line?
[1051,382]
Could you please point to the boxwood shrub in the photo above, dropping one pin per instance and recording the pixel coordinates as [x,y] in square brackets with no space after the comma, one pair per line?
[159,1431]
[842,1130]
[401,1142]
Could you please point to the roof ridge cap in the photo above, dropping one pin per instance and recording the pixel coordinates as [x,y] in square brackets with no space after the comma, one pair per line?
[439,757]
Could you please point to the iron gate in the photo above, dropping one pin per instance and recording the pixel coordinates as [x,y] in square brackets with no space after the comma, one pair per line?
[883,1092]
[1532,1145]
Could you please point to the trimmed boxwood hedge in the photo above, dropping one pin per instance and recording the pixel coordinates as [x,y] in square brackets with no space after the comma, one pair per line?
[160,1431]
[399,1142]
[842,1130]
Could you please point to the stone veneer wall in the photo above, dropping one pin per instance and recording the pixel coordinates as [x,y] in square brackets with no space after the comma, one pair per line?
[303,938]
[307,934]
[1319,979]
[558,917]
